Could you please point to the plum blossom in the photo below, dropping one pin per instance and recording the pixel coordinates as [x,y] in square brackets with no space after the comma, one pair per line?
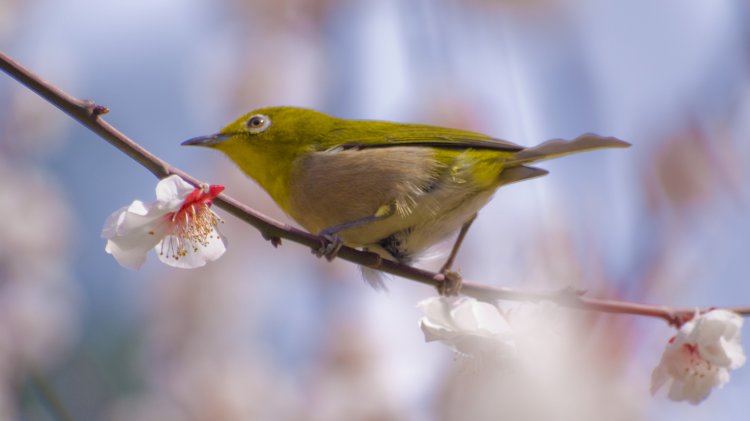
[179,226]
[698,358]
[468,326]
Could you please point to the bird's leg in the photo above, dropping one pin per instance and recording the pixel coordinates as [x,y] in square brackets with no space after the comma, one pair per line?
[331,243]
[452,280]
[457,244]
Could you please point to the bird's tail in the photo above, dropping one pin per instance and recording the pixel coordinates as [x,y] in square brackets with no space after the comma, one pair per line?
[516,170]
[559,147]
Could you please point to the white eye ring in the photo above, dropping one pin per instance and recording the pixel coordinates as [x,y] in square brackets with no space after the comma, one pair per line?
[258,123]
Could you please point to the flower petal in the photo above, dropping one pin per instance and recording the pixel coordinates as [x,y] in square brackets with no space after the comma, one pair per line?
[438,310]
[171,192]
[434,332]
[131,258]
[658,377]
[468,326]
[196,255]
[734,352]
[131,232]
[130,250]
[109,229]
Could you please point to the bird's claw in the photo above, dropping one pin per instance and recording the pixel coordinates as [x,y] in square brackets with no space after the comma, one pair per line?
[330,245]
[451,285]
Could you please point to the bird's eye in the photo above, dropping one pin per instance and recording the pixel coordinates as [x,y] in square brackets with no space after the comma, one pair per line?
[258,123]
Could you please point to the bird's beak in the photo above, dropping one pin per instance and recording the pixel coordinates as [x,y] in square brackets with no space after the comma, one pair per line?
[209,140]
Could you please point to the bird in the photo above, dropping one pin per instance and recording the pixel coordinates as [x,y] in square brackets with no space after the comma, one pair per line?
[395,189]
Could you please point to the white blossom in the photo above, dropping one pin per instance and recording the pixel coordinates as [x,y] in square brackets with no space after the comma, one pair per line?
[180,226]
[468,326]
[698,358]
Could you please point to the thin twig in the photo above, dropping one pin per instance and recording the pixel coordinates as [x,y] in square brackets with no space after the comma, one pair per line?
[89,114]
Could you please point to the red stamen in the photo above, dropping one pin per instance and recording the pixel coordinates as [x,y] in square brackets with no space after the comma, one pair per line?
[201,197]
[194,222]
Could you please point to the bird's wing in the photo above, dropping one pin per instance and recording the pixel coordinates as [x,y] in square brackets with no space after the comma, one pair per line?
[386,135]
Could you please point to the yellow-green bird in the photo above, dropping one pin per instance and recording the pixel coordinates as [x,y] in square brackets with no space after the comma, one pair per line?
[392,188]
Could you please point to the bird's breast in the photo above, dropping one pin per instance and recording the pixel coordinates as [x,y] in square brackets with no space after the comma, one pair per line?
[432,195]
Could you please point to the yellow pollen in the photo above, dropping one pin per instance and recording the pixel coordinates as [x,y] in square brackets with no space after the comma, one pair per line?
[192,230]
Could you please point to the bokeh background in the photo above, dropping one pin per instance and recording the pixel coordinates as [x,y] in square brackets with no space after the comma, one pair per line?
[276,334]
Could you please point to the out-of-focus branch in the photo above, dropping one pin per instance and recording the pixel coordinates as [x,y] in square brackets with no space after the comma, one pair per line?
[89,114]
[49,396]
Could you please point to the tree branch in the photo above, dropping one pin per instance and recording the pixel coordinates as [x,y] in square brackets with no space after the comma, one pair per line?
[89,114]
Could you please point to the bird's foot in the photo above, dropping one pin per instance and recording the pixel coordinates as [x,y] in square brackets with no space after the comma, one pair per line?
[330,245]
[451,285]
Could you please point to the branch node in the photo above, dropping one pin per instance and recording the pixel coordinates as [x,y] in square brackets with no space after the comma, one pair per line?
[86,105]
[99,110]
[91,108]
[570,294]
[275,240]
[672,319]
[451,284]
[375,260]
[378,261]
[165,171]
[677,319]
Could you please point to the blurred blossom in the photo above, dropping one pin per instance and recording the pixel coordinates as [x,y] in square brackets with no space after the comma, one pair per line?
[561,371]
[524,332]
[564,264]
[346,383]
[203,355]
[179,226]
[233,387]
[36,320]
[293,14]
[35,225]
[688,171]
[198,386]
[284,69]
[9,11]
[38,300]
[538,7]
[470,327]
[450,110]
[699,357]
[275,56]
[32,129]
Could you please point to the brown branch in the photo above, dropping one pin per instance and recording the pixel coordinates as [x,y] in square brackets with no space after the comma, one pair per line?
[89,114]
